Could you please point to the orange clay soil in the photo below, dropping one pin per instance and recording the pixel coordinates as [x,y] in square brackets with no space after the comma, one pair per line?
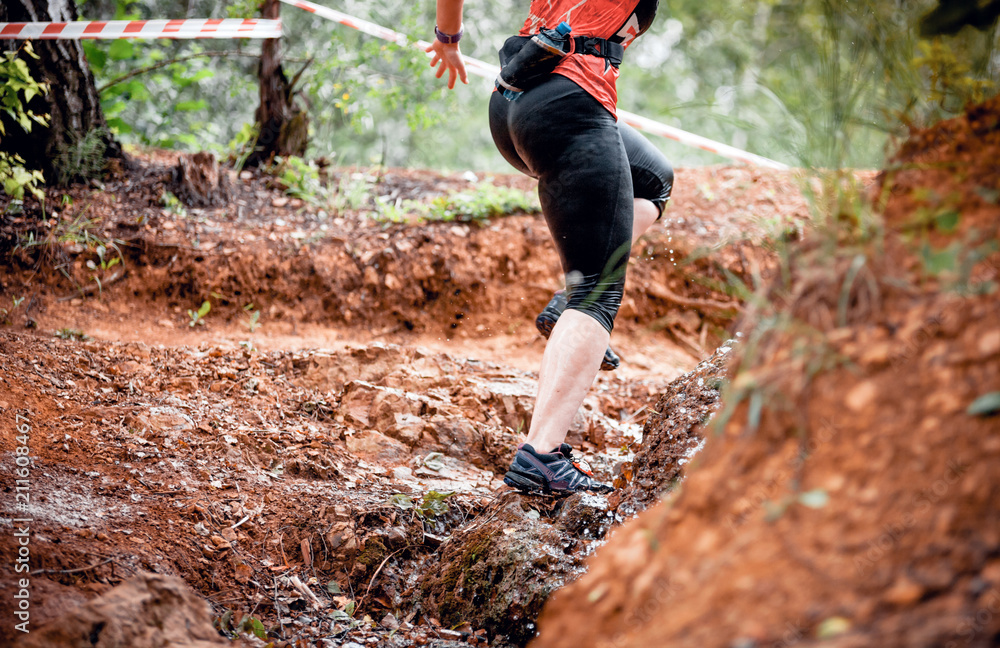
[258,459]
[856,503]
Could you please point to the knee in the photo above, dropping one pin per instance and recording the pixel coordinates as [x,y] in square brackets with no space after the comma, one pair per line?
[654,184]
[596,298]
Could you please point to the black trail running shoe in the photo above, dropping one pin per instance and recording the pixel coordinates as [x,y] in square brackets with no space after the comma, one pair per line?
[547,319]
[556,472]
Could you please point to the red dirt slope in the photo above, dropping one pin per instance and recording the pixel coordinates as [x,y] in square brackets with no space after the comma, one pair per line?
[851,498]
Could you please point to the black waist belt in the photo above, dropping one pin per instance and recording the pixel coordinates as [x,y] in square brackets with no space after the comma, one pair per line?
[613,52]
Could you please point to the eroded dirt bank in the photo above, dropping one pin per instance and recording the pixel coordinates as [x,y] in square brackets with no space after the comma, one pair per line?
[316,466]
[850,497]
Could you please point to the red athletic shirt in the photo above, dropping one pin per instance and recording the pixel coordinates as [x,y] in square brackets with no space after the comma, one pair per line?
[617,21]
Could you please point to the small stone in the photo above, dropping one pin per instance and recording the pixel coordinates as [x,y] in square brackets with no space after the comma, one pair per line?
[989,344]
[904,593]
[876,355]
[402,473]
[861,396]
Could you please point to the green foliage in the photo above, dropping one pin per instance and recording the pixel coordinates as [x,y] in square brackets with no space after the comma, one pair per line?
[253,317]
[16,179]
[299,178]
[103,261]
[431,505]
[72,334]
[173,204]
[818,82]
[986,405]
[17,89]
[198,316]
[483,202]
[247,625]
[243,143]
[5,313]
[952,82]
[83,159]
[243,9]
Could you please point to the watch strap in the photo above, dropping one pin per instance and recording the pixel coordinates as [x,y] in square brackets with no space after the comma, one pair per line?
[448,39]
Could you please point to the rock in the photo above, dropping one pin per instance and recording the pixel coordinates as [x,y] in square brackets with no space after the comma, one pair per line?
[148,611]
[49,600]
[402,473]
[457,437]
[185,384]
[585,515]
[904,593]
[861,396]
[989,344]
[671,435]
[356,402]
[331,371]
[374,446]
[497,572]
[164,421]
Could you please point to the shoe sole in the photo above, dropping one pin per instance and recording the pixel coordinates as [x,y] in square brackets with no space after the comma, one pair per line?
[524,484]
[530,486]
[544,323]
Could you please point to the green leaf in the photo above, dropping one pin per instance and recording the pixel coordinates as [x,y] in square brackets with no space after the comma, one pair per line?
[196,104]
[205,307]
[814,499]
[433,504]
[96,55]
[947,221]
[200,75]
[985,405]
[401,501]
[349,608]
[118,126]
[121,50]
[333,587]
[258,628]
[938,261]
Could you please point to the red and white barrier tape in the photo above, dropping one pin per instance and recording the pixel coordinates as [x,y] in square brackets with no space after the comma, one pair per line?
[195,28]
[489,71]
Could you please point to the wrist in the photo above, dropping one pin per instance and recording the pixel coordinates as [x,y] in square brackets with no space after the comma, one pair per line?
[449,39]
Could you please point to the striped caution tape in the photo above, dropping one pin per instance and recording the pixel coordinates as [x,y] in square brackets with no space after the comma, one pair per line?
[489,71]
[116,29]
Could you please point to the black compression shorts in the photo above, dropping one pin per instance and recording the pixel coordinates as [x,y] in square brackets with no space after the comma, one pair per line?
[589,169]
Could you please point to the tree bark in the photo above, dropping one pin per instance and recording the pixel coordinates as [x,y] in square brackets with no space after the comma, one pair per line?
[72,103]
[283,124]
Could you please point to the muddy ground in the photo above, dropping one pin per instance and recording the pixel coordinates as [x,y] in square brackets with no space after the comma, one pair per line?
[314,453]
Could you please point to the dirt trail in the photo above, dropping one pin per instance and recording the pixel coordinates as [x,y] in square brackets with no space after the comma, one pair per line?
[294,468]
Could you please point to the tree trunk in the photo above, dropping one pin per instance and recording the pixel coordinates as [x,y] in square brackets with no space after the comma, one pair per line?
[72,102]
[283,124]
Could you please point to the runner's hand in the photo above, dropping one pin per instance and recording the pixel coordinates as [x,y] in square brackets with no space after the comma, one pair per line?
[448,57]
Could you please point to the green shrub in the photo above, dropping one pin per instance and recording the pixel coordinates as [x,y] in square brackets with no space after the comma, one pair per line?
[17,89]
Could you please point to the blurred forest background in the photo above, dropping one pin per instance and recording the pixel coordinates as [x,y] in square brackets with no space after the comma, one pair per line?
[816,83]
